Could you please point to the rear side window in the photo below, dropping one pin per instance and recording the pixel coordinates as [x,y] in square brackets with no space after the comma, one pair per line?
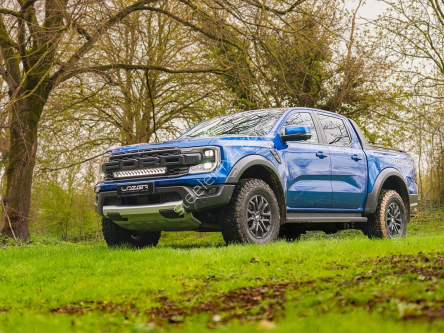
[303,119]
[335,130]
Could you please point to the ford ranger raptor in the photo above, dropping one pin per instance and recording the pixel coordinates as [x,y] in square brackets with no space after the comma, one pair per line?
[257,176]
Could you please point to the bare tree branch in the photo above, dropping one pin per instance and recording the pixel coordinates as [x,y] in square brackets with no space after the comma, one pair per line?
[8,78]
[11,12]
[78,71]
[87,46]
[261,5]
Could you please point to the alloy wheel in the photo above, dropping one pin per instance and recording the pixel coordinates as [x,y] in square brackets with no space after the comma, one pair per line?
[394,220]
[259,216]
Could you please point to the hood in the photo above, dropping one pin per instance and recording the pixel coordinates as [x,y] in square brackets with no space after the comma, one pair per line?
[224,140]
[182,143]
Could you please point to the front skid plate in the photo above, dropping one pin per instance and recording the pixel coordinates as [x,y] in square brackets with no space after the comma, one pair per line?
[148,218]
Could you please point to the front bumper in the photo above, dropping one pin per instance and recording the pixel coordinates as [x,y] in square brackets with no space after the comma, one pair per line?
[163,216]
[168,216]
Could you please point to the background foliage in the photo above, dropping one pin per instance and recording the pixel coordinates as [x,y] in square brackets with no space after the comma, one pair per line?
[168,66]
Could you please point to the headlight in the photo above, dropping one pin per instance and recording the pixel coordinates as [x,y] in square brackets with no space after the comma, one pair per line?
[104,159]
[210,159]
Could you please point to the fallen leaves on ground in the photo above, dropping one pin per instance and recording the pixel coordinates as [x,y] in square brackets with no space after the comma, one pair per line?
[266,303]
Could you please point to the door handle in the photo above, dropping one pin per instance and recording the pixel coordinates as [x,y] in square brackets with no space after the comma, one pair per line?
[356,157]
[320,154]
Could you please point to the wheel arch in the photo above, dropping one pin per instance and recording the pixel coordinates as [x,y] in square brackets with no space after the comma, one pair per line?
[259,167]
[388,179]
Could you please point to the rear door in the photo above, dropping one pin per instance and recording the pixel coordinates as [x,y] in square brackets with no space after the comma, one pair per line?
[348,162]
[308,180]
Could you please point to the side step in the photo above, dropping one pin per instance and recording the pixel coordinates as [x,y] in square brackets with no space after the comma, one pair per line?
[324,217]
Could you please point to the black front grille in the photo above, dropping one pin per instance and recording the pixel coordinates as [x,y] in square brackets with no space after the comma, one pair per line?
[142,199]
[153,152]
[176,163]
[176,171]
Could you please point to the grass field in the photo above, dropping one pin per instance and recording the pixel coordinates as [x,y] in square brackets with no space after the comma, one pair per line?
[343,283]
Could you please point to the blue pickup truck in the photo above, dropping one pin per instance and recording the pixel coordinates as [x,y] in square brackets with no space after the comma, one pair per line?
[257,176]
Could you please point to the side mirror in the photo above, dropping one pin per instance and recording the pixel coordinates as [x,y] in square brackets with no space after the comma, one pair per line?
[296,133]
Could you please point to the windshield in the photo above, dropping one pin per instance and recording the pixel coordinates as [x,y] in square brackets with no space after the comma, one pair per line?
[257,123]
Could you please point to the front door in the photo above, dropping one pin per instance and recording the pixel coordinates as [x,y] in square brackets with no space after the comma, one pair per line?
[308,164]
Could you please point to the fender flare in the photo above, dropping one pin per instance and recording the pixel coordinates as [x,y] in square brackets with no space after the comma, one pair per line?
[257,160]
[248,161]
[372,197]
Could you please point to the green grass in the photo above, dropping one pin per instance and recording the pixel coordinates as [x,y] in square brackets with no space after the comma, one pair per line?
[343,282]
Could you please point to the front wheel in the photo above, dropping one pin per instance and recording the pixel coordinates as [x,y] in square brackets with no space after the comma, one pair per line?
[390,218]
[115,235]
[252,216]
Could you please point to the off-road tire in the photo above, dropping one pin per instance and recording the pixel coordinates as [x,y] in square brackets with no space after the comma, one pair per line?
[376,226]
[115,235]
[233,222]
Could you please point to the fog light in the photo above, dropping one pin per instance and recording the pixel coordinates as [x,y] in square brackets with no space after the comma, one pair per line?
[209,191]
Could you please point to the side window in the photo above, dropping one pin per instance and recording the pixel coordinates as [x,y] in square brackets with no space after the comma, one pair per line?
[335,130]
[303,119]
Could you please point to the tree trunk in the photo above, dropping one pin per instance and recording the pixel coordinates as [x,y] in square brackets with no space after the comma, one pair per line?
[20,167]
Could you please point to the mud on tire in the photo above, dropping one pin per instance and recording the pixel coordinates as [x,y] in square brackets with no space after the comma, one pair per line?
[390,218]
[252,215]
[115,235]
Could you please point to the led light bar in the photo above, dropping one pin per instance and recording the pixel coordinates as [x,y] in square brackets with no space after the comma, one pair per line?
[140,172]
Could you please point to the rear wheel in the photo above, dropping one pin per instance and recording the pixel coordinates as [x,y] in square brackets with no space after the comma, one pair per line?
[115,235]
[390,218]
[252,216]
